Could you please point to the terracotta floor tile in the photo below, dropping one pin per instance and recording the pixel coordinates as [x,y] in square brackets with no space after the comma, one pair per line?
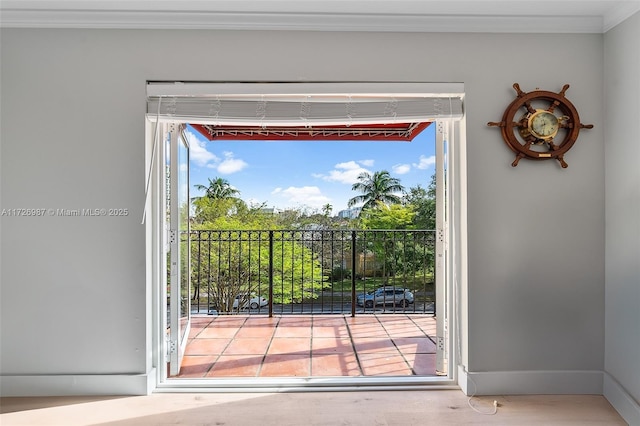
[374,345]
[251,346]
[331,345]
[296,321]
[329,321]
[335,365]
[318,345]
[194,331]
[262,321]
[292,331]
[236,366]
[196,366]
[328,331]
[362,319]
[384,365]
[407,329]
[218,332]
[255,331]
[422,364]
[421,345]
[200,321]
[368,331]
[230,322]
[278,365]
[290,345]
[206,346]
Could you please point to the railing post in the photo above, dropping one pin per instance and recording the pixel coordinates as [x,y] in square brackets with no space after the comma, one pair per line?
[270,274]
[353,273]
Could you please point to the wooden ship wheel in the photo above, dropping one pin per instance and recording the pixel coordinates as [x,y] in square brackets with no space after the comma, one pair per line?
[540,125]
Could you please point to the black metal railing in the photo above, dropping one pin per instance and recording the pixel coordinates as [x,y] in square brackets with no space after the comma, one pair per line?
[313,271]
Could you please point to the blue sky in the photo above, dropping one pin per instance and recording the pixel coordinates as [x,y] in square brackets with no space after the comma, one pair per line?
[307,174]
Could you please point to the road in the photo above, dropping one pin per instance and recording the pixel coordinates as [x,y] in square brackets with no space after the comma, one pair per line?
[328,308]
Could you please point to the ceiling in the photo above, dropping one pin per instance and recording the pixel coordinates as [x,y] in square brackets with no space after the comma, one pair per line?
[541,16]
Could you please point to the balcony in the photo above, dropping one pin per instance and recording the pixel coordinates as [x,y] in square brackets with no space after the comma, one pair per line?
[311,271]
[311,303]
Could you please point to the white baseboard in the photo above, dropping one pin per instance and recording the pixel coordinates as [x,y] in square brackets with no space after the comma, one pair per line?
[624,404]
[530,382]
[73,385]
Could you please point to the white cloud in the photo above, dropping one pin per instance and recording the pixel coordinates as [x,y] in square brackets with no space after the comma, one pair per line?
[367,163]
[231,165]
[310,196]
[345,172]
[425,162]
[198,153]
[401,169]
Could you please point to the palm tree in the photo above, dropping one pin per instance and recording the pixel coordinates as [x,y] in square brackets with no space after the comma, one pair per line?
[377,188]
[218,189]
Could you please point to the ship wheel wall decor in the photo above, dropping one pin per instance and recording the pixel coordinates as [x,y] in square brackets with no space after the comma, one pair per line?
[540,125]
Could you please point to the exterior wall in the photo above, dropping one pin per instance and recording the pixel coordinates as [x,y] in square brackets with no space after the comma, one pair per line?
[622,154]
[74,292]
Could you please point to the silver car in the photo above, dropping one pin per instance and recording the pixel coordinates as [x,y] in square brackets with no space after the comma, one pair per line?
[386,296]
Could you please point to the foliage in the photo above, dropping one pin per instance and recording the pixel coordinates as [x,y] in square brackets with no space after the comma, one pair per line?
[377,188]
[394,216]
[399,253]
[231,256]
[339,273]
[218,189]
[424,204]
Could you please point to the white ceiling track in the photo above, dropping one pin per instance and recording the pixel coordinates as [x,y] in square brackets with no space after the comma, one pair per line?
[304,104]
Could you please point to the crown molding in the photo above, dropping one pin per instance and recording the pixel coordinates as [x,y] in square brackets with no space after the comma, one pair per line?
[294,21]
[310,15]
[620,13]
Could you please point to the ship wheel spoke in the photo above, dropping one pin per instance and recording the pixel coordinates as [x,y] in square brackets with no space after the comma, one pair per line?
[553,106]
[563,163]
[552,146]
[529,108]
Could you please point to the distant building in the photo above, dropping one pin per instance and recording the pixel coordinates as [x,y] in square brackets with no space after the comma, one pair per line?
[349,213]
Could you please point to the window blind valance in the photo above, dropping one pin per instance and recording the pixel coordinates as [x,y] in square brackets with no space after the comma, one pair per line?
[304,104]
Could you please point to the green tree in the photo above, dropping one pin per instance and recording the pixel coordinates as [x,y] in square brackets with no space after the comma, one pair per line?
[380,187]
[231,255]
[218,189]
[424,203]
[236,261]
[401,255]
[395,216]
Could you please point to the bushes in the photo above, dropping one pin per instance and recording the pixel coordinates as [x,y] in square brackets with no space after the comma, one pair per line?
[339,273]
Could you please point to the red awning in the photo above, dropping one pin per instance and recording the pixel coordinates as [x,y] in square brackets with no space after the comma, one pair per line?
[371,132]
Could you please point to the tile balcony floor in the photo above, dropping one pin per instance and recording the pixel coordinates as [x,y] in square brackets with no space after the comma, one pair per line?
[310,346]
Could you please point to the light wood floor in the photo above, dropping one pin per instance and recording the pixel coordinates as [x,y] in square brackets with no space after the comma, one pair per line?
[371,408]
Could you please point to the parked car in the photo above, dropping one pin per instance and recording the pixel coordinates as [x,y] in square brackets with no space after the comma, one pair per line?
[386,296]
[253,302]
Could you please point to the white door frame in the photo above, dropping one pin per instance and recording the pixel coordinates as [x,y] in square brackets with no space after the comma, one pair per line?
[451,331]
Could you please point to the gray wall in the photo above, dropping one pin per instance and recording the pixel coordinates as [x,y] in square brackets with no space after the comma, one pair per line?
[73,102]
[622,153]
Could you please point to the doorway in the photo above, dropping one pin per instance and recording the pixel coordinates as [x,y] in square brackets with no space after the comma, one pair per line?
[168,126]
